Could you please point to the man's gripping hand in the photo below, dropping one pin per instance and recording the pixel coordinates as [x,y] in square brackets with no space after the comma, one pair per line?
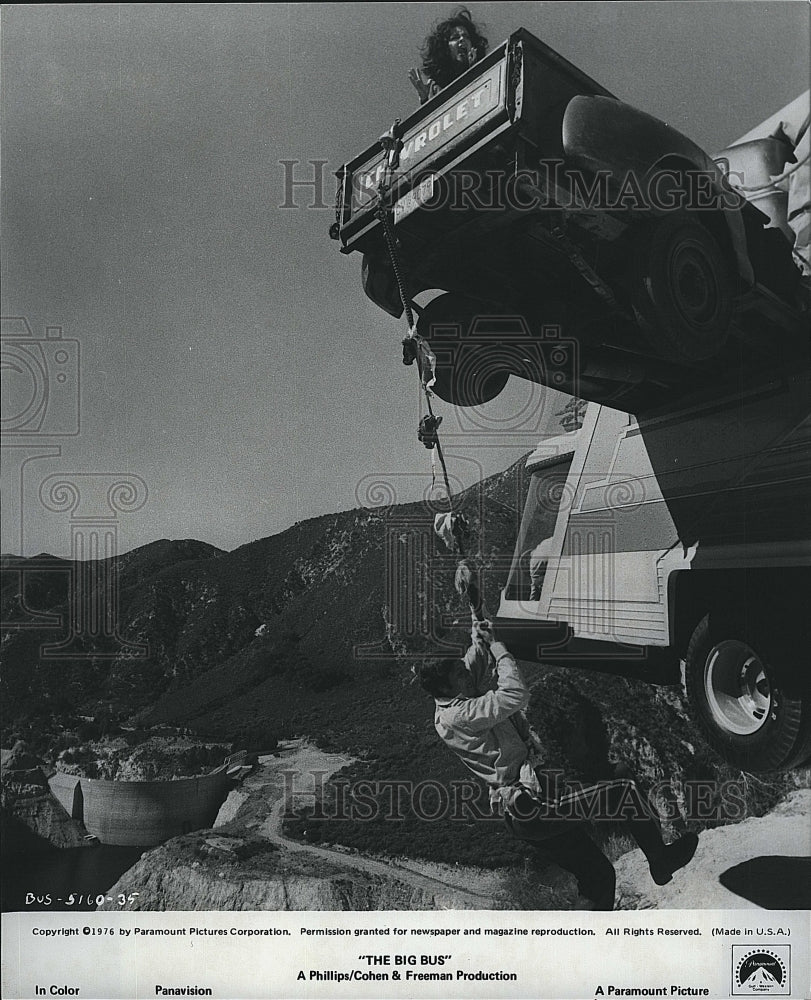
[483,632]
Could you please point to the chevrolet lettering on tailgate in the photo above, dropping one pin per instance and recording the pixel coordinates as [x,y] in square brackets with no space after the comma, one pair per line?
[468,108]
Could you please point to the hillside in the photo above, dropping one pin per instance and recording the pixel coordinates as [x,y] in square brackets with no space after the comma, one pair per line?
[347,602]
[319,588]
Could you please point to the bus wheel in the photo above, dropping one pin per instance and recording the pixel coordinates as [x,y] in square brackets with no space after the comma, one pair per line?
[683,290]
[747,696]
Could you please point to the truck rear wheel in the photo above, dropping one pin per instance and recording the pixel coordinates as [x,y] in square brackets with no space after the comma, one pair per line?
[470,371]
[682,290]
[749,696]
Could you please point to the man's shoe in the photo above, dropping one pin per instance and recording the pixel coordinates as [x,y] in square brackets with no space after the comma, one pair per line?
[674,856]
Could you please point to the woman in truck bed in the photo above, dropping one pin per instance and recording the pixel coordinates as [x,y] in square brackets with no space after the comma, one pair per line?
[453,46]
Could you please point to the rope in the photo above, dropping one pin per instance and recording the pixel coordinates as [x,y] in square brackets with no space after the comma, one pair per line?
[384,215]
[799,256]
[773,181]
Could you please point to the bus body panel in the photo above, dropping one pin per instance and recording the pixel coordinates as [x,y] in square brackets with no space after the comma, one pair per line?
[722,485]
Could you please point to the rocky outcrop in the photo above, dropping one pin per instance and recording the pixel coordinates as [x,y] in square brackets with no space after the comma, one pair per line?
[214,871]
[32,818]
[152,758]
[760,863]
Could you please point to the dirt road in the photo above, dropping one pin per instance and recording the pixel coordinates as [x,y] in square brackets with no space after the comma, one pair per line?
[292,778]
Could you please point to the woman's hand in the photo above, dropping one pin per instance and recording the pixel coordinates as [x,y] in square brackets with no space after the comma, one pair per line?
[420,83]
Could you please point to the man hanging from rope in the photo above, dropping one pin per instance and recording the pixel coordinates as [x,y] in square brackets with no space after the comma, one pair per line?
[487,730]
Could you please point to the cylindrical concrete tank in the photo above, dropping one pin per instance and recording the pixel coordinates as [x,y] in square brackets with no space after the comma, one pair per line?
[67,790]
[145,813]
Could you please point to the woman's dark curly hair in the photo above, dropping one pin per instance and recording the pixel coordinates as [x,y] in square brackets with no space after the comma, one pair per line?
[436,59]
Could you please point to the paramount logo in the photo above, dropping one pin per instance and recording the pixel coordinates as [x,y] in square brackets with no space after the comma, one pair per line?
[761,971]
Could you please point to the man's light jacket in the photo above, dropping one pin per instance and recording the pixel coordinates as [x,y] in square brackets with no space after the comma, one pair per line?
[488,731]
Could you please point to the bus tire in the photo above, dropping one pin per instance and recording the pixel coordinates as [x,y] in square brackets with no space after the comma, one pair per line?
[749,694]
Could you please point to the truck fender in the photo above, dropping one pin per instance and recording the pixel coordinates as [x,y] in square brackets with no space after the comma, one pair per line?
[604,134]
[380,284]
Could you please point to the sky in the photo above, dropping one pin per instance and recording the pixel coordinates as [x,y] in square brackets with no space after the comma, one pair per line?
[217,352]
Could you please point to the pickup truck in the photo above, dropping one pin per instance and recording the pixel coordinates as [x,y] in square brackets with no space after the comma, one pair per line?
[525,192]
[563,236]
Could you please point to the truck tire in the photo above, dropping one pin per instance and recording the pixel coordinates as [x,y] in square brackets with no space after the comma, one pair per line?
[380,284]
[749,695]
[469,371]
[682,290]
